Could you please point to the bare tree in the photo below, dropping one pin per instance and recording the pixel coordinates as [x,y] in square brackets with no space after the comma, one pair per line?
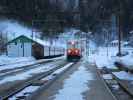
[3,39]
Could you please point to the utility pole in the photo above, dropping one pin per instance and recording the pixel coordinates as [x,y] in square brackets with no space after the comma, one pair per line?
[120,29]
[107,43]
[119,37]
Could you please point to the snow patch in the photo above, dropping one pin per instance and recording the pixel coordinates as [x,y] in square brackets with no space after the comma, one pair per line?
[18,62]
[123,75]
[75,85]
[127,61]
[57,72]
[62,69]
[26,92]
[107,76]
[27,74]
[5,60]
[116,87]
[103,59]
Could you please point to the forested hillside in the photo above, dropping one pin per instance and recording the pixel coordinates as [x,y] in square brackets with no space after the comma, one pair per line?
[56,15]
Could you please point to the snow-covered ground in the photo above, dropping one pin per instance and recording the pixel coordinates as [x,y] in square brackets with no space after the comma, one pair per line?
[27,74]
[57,72]
[26,92]
[74,86]
[17,62]
[107,76]
[5,60]
[30,89]
[102,59]
[105,57]
[127,61]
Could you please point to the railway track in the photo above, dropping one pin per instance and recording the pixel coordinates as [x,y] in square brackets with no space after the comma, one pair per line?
[116,86]
[17,62]
[19,66]
[23,67]
[54,80]
[12,88]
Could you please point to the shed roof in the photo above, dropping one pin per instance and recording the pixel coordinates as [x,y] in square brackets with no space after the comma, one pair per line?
[24,38]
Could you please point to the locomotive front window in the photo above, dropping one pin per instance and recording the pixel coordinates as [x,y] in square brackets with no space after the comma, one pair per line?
[76,45]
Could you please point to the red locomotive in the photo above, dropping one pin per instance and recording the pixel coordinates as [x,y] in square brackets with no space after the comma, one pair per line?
[73,51]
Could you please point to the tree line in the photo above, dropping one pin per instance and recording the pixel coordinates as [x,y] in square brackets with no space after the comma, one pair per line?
[55,15]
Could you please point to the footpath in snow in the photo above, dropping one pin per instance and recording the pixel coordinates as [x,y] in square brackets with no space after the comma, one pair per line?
[75,85]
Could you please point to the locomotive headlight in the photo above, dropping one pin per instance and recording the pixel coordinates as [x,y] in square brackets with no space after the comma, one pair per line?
[76,51]
[69,51]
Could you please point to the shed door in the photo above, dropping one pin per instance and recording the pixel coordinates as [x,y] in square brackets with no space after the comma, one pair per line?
[20,49]
[27,49]
[13,50]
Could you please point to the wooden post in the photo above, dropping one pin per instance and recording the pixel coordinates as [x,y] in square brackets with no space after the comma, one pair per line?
[119,35]
[23,47]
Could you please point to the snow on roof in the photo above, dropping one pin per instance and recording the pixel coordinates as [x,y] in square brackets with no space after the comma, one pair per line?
[34,39]
[39,41]
[124,42]
[46,43]
[42,42]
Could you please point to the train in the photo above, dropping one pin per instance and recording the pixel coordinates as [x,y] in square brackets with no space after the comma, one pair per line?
[73,51]
[43,52]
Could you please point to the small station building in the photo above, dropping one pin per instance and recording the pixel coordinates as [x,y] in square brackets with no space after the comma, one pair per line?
[24,46]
